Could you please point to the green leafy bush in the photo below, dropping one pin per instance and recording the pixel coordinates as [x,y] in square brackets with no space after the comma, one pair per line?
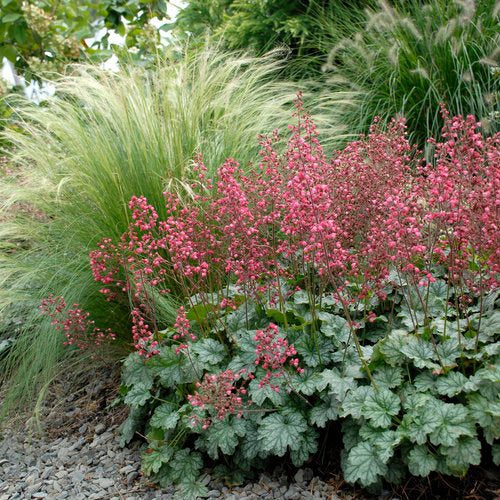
[361,290]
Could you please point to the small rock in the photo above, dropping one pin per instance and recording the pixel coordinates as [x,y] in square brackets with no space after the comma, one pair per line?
[39,494]
[99,428]
[105,483]
[127,469]
[299,476]
[131,477]
[292,494]
[213,493]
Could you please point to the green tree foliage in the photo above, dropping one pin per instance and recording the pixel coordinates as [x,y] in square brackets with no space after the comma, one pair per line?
[264,24]
[42,36]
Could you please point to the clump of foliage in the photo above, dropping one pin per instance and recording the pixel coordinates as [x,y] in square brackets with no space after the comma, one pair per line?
[264,25]
[362,289]
[80,159]
[40,37]
[413,56]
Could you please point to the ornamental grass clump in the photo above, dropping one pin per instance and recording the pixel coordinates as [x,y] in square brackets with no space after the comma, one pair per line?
[103,138]
[410,56]
[361,289]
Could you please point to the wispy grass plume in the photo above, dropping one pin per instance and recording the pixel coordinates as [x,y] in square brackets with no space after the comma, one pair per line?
[104,138]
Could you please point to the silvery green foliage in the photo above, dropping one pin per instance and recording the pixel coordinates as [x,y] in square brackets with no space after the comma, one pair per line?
[436,395]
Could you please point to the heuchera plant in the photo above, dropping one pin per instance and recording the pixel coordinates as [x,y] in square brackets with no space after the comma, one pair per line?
[362,288]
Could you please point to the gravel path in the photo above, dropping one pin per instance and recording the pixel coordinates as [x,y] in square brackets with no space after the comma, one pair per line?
[93,466]
[76,455]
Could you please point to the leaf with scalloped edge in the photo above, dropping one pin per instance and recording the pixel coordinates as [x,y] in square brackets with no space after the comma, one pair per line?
[336,327]
[354,401]
[258,396]
[339,384]
[136,371]
[305,383]
[449,351]
[426,381]
[380,406]
[421,352]
[167,366]
[186,465]
[303,449]
[209,351]
[153,458]
[466,451]
[388,376]
[363,465]
[314,351]
[453,383]
[454,421]
[165,416]
[392,347]
[325,411]
[420,461]
[250,444]
[384,440]
[137,396]
[224,434]
[278,432]
[191,490]
[418,423]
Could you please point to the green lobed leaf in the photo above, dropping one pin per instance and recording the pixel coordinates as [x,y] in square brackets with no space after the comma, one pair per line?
[314,350]
[454,421]
[420,461]
[224,434]
[364,465]
[209,351]
[167,366]
[165,417]
[250,444]
[305,383]
[453,383]
[136,371]
[380,406]
[137,396]
[392,347]
[258,396]
[186,465]
[130,425]
[388,376]
[277,432]
[338,383]
[336,327]
[325,411]
[449,351]
[466,451]
[354,401]
[420,352]
[305,447]
[426,381]
[153,458]
[191,490]
[418,422]
[384,440]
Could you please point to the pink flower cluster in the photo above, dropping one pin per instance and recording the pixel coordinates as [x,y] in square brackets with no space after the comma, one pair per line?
[272,353]
[372,208]
[75,324]
[220,394]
